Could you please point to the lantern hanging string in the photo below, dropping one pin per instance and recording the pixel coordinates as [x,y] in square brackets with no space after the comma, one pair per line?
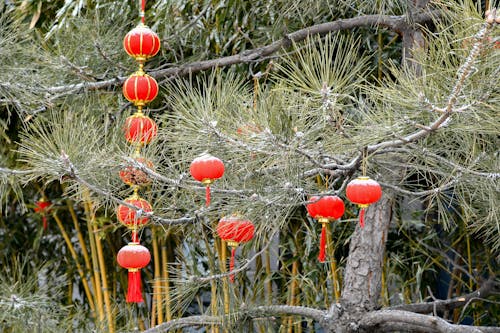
[142,12]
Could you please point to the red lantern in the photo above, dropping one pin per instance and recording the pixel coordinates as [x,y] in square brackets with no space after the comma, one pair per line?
[129,216]
[140,88]
[235,230]
[140,128]
[134,257]
[42,208]
[206,169]
[325,209]
[363,191]
[141,43]
[132,175]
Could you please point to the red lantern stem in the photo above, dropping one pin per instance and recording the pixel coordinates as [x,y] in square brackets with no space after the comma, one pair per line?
[134,293]
[322,244]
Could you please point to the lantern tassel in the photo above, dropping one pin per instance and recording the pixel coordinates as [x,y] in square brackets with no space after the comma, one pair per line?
[207,195]
[45,224]
[362,217]
[231,264]
[134,293]
[322,244]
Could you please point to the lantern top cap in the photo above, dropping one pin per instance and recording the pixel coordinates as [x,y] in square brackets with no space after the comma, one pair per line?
[206,156]
[134,243]
[363,178]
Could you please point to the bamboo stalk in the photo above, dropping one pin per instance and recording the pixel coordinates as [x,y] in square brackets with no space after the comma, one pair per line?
[79,234]
[269,282]
[293,285]
[225,286]
[72,251]
[95,261]
[102,264]
[166,280]
[330,248]
[157,277]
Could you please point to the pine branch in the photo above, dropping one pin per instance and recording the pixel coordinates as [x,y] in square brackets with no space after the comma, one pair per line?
[487,289]
[395,23]
[397,320]
[14,171]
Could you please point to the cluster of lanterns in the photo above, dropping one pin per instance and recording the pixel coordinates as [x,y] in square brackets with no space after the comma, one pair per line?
[141,43]
[362,191]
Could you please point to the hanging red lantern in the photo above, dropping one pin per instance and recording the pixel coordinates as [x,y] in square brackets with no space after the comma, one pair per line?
[139,128]
[130,217]
[140,88]
[325,209]
[235,230]
[134,176]
[363,192]
[206,169]
[134,257]
[42,208]
[141,43]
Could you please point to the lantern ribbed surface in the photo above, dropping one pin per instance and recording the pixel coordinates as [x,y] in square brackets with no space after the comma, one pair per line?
[129,216]
[140,88]
[141,43]
[139,128]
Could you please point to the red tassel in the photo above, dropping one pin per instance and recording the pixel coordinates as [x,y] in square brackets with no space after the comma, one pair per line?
[207,195]
[322,244]
[231,263]
[45,224]
[134,294]
[362,217]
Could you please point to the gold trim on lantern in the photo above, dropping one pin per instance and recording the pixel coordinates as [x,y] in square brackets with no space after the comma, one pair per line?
[232,243]
[133,269]
[363,178]
[363,205]
[133,243]
[207,181]
[323,220]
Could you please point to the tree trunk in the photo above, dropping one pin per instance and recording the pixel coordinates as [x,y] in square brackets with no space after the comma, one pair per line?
[363,272]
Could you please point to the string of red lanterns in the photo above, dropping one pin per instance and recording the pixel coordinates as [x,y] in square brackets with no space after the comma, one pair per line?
[141,43]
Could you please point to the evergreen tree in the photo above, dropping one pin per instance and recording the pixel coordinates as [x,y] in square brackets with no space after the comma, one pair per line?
[297,99]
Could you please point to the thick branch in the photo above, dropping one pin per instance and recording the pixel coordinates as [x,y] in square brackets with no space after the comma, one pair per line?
[257,312]
[486,290]
[396,23]
[396,320]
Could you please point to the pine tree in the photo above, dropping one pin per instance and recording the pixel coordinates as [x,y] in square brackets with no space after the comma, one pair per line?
[297,100]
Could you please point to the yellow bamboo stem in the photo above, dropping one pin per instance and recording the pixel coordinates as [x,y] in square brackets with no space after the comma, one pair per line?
[157,278]
[225,286]
[269,282]
[293,285]
[166,281]
[330,248]
[102,265]
[79,234]
[72,251]
[95,260]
